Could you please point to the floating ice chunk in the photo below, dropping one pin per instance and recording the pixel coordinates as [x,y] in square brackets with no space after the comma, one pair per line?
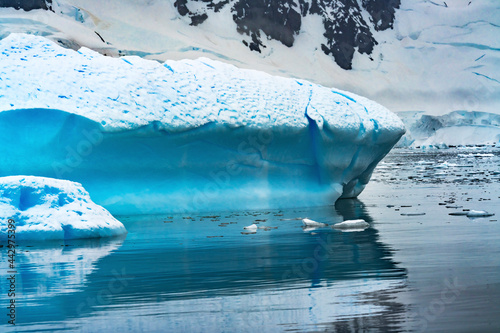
[445,165]
[46,208]
[252,227]
[313,224]
[458,213]
[352,225]
[479,213]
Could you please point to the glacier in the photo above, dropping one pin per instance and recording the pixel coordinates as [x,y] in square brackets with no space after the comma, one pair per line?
[189,135]
[41,209]
[458,128]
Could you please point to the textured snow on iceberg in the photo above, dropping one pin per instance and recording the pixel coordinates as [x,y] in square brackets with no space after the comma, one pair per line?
[44,208]
[184,135]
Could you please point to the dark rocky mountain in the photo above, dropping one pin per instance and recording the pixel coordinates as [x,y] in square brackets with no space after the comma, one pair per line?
[345,28]
[27,4]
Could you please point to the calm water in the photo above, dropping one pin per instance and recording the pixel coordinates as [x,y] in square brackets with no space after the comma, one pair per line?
[200,273]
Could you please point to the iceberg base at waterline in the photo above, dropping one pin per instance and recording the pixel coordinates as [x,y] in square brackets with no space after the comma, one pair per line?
[36,208]
[214,167]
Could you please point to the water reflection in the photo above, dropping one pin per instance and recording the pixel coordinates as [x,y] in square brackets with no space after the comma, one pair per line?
[50,273]
[200,273]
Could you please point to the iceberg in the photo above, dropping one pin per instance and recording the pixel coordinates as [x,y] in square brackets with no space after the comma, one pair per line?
[36,208]
[352,225]
[189,135]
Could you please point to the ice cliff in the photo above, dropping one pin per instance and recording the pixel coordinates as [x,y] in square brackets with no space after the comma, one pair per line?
[43,208]
[459,128]
[145,137]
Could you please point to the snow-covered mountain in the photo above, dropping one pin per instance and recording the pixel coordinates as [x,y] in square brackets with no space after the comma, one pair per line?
[434,56]
[346,25]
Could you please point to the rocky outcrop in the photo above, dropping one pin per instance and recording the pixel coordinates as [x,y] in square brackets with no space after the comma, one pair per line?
[27,4]
[345,28]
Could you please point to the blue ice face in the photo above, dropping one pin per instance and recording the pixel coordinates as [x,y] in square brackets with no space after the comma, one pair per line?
[148,170]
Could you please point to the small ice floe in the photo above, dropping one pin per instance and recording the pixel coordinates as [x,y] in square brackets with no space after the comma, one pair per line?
[313,224]
[444,165]
[479,213]
[412,214]
[352,225]
[425,162]
[252,227]
[476,155]
[453,206]
[458,213]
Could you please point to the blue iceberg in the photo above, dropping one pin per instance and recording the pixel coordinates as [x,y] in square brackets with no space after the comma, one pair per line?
[189,135]
[37,208]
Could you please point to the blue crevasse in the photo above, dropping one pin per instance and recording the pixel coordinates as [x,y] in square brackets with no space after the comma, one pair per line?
[190,135]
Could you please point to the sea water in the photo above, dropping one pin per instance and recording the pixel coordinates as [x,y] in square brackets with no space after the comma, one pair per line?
[416,268]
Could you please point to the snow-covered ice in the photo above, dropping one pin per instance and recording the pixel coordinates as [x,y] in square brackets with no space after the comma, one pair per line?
[188,135]
[351,225]
[252,227]
[413,214]
[313,224]
[479,213]
[44,208]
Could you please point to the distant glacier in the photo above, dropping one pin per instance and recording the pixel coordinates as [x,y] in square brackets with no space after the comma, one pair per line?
[458,128]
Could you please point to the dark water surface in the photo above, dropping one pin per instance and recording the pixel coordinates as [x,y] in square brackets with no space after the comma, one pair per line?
[204,273]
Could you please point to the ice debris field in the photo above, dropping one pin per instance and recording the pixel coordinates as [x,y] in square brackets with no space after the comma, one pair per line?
[191,135]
